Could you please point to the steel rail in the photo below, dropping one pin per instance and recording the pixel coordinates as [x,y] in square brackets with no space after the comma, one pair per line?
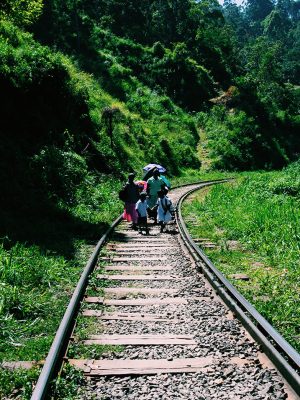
[55,355]
[273,344]
[54,358]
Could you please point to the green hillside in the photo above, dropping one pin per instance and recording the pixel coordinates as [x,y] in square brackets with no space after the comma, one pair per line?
[254,221]
[94,89]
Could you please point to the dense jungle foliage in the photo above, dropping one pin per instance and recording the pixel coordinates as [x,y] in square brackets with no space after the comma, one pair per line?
[101,87]
[93,89]
[237,66]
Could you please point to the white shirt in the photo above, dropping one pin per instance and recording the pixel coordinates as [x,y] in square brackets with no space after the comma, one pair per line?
[163,212]
[141,207]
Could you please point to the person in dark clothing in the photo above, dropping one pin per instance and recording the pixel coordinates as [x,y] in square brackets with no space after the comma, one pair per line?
[131,196]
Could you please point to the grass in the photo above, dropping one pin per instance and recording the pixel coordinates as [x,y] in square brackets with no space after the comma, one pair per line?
[255,222]
[93,351]
[66,385]
[85,327]
[40,264]
[194,176]
[18,383]
[38,277]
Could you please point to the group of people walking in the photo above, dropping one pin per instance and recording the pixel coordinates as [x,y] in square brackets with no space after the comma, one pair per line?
[153,203]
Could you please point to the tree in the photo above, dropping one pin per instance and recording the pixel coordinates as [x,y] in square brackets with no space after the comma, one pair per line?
[234,16]
[213,45]
[108,114]
[256,11]
[170,20]
[276,25]
[187,82]
[290,8]
[21,12]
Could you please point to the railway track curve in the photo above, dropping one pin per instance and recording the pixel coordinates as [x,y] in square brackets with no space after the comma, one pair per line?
[181,329]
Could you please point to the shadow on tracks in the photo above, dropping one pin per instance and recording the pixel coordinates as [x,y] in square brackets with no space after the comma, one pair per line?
[48,227]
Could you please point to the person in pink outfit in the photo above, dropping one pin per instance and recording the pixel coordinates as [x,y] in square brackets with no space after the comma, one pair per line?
[131,196]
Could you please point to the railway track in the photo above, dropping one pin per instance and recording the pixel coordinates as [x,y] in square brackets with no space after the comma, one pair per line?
[177,324]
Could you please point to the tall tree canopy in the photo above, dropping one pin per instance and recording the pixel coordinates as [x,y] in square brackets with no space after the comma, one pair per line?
[195,53]
[22,12]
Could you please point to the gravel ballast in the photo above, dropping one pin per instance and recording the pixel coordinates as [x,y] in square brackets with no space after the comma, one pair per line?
[236,372]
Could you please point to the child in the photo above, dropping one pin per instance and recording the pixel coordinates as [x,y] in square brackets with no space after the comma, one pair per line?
[141,208]
[164,209]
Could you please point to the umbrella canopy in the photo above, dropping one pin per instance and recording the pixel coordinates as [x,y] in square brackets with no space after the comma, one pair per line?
[152,166]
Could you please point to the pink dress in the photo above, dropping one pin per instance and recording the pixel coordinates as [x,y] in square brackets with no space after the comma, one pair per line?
[132,196]
[130,213]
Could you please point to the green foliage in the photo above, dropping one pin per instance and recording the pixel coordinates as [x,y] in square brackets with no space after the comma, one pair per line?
[59,135]
[275,25]
[36,281]
[258,10]
[232,138]
[97,199]
[171,71]
[19,382]
[62,157]
[261,212]
[260,130]
[187,82]
[186,50]
[192,35]
[61,171]
[26,274]
[287,183]
[265,135]
[21,12]
[67,385]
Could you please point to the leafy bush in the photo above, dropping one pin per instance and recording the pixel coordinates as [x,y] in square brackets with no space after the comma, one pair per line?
[261,212]
[60,171]
[22,12]
[19,382]
[59,136]
[289,182]
[238,140]
[231,139]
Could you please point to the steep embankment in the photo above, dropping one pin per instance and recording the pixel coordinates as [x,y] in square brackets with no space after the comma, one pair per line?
[59,126]
[60,171]
[254,223]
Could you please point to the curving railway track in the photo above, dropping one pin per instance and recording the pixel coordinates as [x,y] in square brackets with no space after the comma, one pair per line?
[181,329]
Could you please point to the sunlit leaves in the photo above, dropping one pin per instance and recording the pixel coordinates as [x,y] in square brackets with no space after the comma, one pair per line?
[21,12]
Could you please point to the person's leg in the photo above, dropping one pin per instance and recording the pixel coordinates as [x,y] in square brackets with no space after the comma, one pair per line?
[134,216]
[161,223]
[145,224]
[139,225]
[155,215]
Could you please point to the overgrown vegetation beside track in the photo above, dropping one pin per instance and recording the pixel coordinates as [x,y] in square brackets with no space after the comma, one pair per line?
[60,173]
[255,223]
[98,89]
[37,280]
[194,176]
